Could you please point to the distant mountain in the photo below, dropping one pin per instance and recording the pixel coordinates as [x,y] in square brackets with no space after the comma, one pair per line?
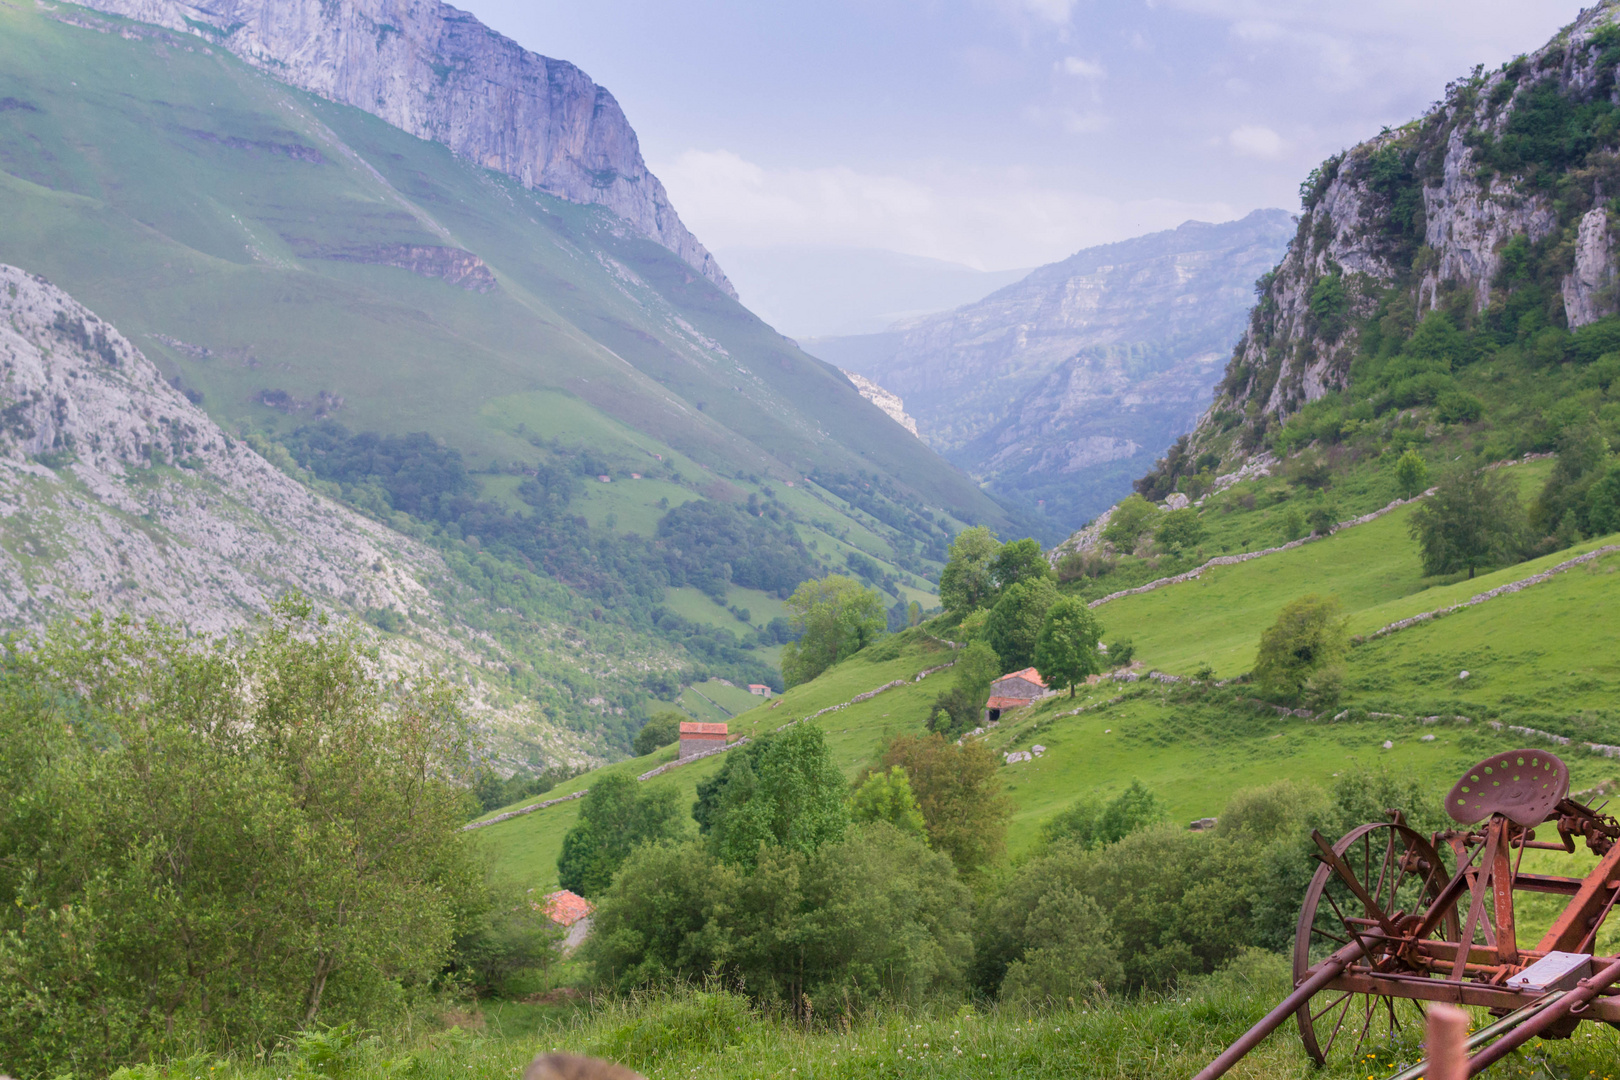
[809,293]
[1059,389]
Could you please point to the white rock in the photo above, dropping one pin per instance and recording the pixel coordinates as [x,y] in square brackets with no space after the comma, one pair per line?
[1177,501]
[1037,749]
[1388,745]
[1427,738]
[1463,675]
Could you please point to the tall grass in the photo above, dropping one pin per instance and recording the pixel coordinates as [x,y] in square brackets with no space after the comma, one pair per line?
[714,1033]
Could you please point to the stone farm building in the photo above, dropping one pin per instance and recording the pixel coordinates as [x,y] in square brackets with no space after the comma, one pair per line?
[759,689]
[572,912]
[696,737]
[1014,691]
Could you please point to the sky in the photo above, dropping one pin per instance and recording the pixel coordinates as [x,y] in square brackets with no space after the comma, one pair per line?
[1006,133]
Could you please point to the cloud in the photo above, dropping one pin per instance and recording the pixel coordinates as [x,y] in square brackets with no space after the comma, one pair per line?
[1053,11]
[1082,69]
[989,218]
[1252,140]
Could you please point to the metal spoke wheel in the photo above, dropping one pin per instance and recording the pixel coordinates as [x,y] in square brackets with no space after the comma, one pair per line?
[1402,874]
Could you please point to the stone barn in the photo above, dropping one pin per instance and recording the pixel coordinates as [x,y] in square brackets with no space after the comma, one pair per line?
[696,737]
[1012,692]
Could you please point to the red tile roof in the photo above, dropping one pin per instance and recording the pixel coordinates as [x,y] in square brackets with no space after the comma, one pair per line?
[694,727]
[566,908]
[1029,674]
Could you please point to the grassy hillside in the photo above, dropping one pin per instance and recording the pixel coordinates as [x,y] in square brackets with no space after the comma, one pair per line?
[1543,658]
[294,264]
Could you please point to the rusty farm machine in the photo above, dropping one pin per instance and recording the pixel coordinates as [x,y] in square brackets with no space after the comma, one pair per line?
[1386,927]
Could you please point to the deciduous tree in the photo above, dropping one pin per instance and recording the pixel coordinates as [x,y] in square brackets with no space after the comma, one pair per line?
[1307,640]
[617,815]
[1473,519]
[959,794]
[835,617]
[1066,650]
[966,582]
[1016,620]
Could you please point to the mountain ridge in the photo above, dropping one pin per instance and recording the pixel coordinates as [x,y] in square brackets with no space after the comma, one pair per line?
[438,73]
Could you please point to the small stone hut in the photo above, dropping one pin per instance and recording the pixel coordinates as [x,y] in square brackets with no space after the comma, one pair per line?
[1014,691]
[697,737]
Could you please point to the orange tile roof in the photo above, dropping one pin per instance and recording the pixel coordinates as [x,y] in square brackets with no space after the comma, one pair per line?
[1029,674]
[694,727]
[567,908]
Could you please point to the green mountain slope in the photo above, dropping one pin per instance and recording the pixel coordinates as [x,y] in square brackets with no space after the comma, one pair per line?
[1542,659]
[322,283]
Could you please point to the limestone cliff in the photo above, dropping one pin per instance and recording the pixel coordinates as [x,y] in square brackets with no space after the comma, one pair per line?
[118,495]
[440,74]
[1519,165]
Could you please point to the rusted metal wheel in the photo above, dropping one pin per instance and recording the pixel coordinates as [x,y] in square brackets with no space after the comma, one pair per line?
[1401,872]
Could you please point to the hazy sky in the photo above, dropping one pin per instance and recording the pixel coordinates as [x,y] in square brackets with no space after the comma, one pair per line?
[1003,133]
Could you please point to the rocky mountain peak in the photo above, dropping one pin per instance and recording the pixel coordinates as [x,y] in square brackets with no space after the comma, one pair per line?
[438,73]
[1521,159]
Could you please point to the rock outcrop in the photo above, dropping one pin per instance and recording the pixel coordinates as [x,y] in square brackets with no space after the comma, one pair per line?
[118,495]
[440,74]
[1059,388]
[1435,208]
[887,400]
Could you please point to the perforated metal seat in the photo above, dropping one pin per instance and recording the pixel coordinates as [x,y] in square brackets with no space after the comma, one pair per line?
[1521,785]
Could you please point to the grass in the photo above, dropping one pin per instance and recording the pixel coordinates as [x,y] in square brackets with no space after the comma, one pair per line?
[687,1033]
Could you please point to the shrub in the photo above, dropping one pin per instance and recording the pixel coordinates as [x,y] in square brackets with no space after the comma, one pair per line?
[186,824]
[886,796]
[658,732]
[959,794]
[1019,560]
[1411,474]
[1458,408]
[1307,638]
[958,709]
[1130,519]
[835,618]
[617,815]
[1070,952]
[1121,652]
[1180,529]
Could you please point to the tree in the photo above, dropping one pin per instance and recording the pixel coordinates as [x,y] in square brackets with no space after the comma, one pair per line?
[835,618]
[966,581]
[1180,529]
[1016,620]
[1411,474]
[957,709]
[1603,504]
[617,816]
[959,794]
[1066,650]
[1473,519]
[1132,517]
[1089,822]
[741,760]
[1019,560]
[1070,951]
[1307,640]
[658,732]
[795,801]
[887,796]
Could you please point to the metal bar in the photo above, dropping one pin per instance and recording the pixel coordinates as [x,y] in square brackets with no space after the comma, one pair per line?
[1548,883]
[1479,995]
[1570,927]
[1503,872]
[1477,908]
[1333,859]
[1325,973]
[1486,1034]
[1584,991]
[1447,897]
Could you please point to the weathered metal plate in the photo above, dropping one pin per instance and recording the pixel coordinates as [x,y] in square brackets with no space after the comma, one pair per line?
[1523,785]
[1555,971]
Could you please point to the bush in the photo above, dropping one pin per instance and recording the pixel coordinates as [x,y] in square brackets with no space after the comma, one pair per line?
[1458,408]
[959,793]
[873,917]
[1130,519]
[834,619]
[959,708]
[1089,823]
[1121,652]
[1307,639]
[183,827]
[1070,952]
[1411,474]
[616,816]
[1180,529]
[658,732]
[795,801]
[886,796]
